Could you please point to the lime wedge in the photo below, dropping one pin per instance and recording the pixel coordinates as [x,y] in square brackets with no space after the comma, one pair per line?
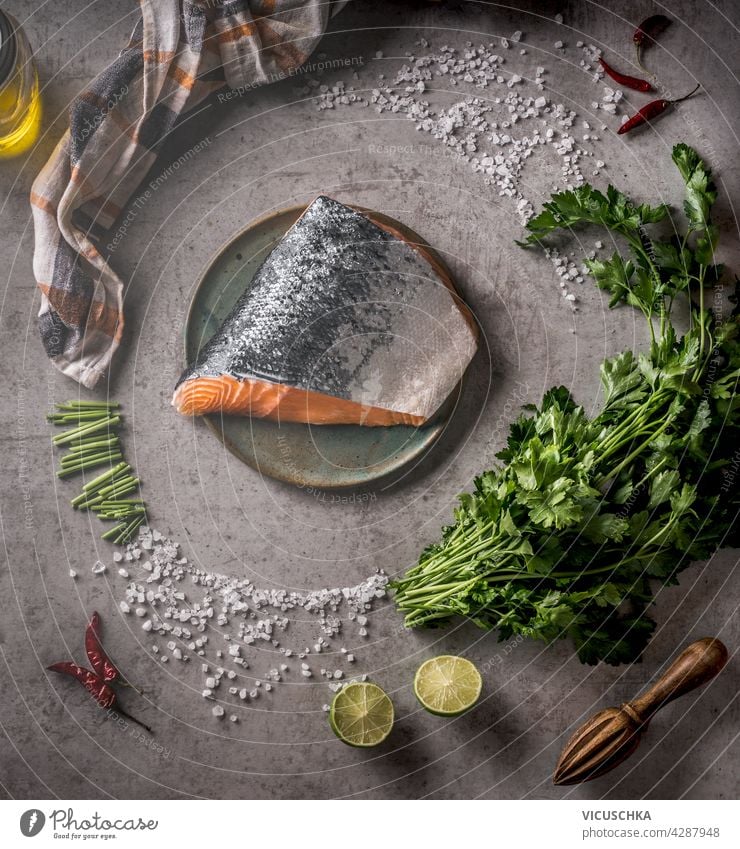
[361,715]
[447,685]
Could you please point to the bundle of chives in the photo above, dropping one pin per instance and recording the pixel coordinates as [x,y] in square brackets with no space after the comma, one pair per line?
[94,442]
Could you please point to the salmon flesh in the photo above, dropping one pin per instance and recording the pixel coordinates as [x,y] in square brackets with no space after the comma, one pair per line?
[345,322]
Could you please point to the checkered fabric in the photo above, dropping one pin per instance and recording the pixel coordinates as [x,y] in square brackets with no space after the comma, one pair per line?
[179,53]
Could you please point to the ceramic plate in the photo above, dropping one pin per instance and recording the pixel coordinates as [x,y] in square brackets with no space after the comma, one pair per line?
[320,456]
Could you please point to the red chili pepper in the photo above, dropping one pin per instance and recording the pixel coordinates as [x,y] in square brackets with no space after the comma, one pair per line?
[99,660]
[624,79]
[98,689]
[649,111]
[95,684]
[647,32]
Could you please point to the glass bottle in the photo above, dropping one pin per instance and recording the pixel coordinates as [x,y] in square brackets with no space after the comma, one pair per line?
[20,102]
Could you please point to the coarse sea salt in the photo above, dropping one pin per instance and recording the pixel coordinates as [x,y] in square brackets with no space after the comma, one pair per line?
[180,602]
[479,129]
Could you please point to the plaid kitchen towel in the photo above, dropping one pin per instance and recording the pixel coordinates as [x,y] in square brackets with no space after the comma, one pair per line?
[179,53]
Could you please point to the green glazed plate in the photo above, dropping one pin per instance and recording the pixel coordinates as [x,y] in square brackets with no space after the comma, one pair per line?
[316,456]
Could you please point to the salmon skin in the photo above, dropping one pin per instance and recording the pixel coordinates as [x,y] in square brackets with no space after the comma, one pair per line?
[345,322]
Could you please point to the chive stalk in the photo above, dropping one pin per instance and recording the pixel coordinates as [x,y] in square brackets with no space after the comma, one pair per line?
[91,405]
[90,503]
[130,528]
[114,532]
[84,430]
[65,471]
[111,487]
[126,488]
[101,479]
[124,501]
[81,442]
[82,497]
[119,514]
[95,449]
[75,448]
[78,414]
[89,462]
[83,457]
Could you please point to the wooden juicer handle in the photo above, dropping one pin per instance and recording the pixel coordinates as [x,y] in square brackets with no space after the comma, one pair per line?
[697,664]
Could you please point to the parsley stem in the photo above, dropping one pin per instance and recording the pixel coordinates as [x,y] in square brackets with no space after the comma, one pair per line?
[443,557]
[622,433]
[636,453]
[627,441]
[645,478]
[466,553]
[701,313]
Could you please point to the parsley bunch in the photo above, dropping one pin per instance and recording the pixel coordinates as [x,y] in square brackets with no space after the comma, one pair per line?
[570,535]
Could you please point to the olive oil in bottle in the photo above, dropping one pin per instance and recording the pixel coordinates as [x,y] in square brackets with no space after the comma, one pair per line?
[20,102]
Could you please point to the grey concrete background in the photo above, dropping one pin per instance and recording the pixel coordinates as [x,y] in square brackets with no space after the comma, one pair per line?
[268,151]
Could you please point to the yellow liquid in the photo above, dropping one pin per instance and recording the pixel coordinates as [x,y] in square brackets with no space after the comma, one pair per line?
[26,132]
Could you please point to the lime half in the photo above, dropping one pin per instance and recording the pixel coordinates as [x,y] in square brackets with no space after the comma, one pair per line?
[447,685]
[361,715]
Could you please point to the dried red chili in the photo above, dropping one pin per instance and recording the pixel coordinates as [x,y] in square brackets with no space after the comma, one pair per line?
[651,110]
[96,682]
[99,660]
[98,689]
[647,32]
[624,79]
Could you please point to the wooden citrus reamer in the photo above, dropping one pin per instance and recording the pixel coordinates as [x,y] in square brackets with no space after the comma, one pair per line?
[610,736]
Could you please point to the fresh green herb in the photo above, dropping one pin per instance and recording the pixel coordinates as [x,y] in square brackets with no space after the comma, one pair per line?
[87,463]
[92,444]
[86,428]
[567,537]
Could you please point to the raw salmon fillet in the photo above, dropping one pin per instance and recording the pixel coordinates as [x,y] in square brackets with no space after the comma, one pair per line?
[345,322]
